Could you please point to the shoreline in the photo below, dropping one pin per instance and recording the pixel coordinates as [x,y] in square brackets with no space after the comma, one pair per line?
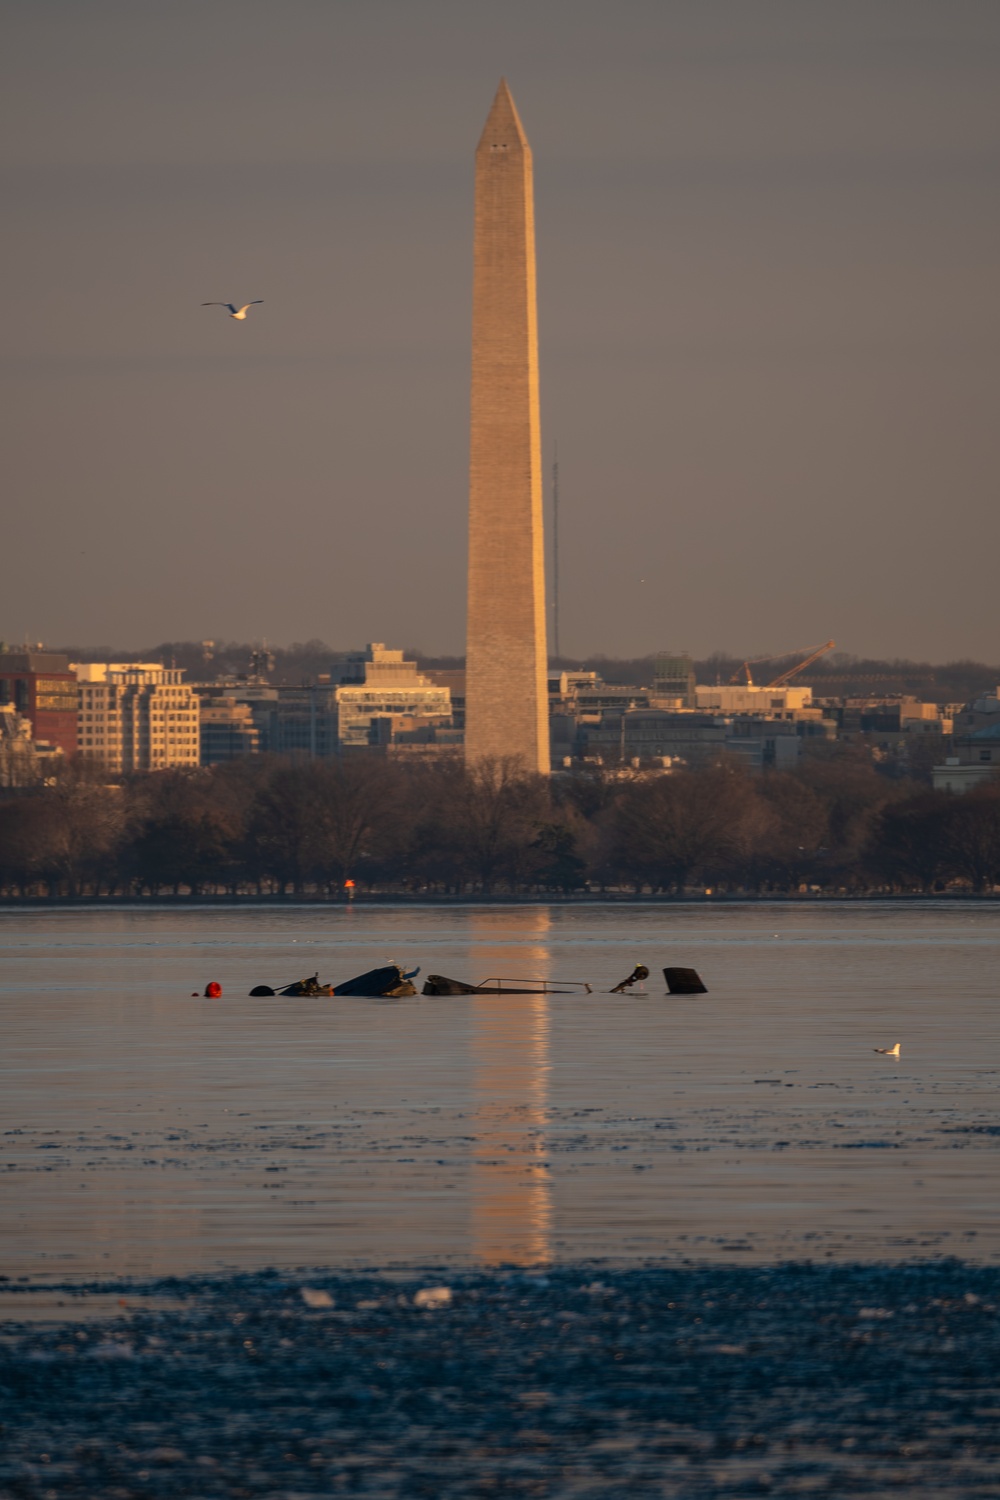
[48,903]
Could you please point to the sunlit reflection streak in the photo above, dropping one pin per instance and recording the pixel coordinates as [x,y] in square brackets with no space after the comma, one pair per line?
[511,1190]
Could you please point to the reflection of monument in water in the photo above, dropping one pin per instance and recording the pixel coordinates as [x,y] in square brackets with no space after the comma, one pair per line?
[511,1190]
[506,686]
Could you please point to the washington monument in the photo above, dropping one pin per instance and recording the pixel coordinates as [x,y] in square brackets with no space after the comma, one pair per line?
[506,663]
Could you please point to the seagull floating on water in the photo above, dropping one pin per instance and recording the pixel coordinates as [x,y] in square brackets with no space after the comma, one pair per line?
[236,312]
[888,1051]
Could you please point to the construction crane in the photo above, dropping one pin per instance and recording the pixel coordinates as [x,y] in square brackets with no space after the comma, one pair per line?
[812,653]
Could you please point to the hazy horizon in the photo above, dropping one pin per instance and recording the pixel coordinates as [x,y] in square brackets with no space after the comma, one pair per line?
[226,657]
[768,319]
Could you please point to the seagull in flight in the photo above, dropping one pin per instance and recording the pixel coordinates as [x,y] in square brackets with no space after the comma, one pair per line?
[236,312]
[888,1051]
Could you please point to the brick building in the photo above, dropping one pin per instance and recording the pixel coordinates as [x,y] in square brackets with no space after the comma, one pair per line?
[41,687]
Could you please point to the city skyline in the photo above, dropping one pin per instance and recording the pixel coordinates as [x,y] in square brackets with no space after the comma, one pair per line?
[767,320]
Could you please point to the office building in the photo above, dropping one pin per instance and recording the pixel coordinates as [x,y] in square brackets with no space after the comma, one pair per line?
[773,702]
[41,686]
[136,716]
[973,759]
[674,680]
[368,698]
[226,730]
[379,684]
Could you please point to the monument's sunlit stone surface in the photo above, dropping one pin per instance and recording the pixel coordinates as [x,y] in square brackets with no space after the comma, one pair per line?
[506,693]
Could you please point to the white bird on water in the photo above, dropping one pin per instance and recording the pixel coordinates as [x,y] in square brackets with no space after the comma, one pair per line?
[236,312]
[888,1051]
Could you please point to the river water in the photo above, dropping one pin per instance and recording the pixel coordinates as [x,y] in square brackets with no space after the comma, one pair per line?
[149,1132]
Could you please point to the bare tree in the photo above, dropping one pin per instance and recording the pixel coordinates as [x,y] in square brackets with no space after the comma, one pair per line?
[486,817]
[80,830]
[668,830]
[973,836]
[910,841]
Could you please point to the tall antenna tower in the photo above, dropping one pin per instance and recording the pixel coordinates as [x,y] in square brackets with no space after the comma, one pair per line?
[555,553]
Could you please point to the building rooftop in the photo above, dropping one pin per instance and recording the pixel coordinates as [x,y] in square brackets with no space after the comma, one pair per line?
[34,661]
[378,666]
[126,672]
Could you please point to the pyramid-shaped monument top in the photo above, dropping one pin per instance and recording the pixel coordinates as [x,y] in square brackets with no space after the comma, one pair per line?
[503,126]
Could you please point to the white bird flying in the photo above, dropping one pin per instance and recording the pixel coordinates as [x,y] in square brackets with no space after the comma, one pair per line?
[888,1051]
[235,312]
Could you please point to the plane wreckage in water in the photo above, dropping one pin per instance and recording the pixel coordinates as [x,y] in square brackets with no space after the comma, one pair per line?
[437,984]
[391,982]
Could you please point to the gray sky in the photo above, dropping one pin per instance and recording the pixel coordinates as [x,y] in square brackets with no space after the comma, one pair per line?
[768,253]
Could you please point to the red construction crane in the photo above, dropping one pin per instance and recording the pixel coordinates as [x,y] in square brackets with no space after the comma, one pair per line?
[812,654]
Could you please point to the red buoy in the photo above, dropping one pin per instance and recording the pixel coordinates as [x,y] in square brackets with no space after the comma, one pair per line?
[213,991]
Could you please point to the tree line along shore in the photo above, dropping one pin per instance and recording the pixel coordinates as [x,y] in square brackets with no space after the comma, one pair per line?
[837,825]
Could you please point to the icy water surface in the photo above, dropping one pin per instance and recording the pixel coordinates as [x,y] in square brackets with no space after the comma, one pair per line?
[147,1132]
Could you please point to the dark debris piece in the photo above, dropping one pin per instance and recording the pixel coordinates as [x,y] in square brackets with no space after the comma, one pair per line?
[696,1381]
[684,982]
[637,976]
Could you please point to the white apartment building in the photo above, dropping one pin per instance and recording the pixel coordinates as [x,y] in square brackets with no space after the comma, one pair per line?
[136,716]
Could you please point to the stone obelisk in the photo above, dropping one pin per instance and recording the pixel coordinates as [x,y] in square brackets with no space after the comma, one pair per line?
[506,665]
